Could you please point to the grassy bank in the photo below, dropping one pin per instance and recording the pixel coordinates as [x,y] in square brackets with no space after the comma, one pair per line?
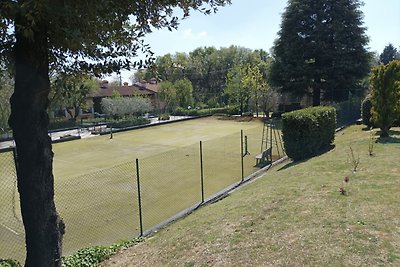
[294,216]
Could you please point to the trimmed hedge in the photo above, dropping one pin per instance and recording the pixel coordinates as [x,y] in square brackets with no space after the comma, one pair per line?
[308,131]
[231,110]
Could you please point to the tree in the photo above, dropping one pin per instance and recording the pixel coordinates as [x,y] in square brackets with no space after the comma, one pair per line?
[385,95]
[254,81]
[389,54]
[168,94]
[236,88]
[73,91]
[124,106]
[320,49]
[184,93]
[69,36]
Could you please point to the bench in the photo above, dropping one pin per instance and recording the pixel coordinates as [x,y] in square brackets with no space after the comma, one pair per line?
[264,158]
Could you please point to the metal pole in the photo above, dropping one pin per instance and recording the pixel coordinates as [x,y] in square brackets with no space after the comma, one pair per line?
[139,198]
[241,153]
[201,172]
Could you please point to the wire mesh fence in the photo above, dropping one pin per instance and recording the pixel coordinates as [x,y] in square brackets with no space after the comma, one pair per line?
[108,205]
[11,228]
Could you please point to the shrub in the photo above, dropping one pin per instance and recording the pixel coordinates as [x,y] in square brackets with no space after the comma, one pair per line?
[366,106]
[163,117]
[127,122]
[92,256]
[9,263]
[308,131]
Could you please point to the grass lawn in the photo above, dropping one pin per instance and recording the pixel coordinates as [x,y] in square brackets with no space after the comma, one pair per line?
[95,179]
[294,216]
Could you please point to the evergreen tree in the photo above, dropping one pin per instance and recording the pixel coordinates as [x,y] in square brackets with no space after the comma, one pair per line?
[321,49]
[389,54]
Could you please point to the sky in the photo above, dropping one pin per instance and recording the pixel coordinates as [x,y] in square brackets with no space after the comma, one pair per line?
[254,24]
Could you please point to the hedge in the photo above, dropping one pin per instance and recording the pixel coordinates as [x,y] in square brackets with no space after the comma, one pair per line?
[308,131]
[231,110]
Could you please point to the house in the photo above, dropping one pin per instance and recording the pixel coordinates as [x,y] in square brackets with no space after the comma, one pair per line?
[148,89]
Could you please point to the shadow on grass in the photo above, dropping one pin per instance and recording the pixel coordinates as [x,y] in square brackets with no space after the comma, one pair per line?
[394,137]
[294,163]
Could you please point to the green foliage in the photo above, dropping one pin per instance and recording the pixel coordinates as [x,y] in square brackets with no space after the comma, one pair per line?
[6,89]
[178,93]
[127,121]
[207,69]
[163,117]
[230,110]
[9,263]
[389,54]
[308,131]
[321,49]
[70,92]
[184,92]
[366,107]
[385,95]
[92,256]
[123,106]
[168,94]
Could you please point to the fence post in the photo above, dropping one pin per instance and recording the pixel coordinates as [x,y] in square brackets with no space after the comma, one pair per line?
[241,153]
[201,172]
[139,198]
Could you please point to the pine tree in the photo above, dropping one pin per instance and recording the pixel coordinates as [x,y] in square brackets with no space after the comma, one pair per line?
[321,49]
[389,54]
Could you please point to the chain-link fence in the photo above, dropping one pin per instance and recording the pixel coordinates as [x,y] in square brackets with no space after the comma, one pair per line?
[122,202]
[12,235]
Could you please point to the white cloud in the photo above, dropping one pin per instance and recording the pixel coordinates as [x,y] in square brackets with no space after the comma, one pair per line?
[188,34]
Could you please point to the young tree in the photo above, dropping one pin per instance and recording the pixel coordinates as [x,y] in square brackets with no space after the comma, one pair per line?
[184,92]
[73,91]
[321,49]
[168,94]
[385,95]
[389,54]
[70,36]
[236,88]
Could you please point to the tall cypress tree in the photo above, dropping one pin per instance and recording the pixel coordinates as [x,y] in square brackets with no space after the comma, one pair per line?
[320,49]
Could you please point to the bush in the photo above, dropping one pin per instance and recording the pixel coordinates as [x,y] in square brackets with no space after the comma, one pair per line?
[163,117]
[127,122]
[92,256]
[308,131]
[366,106]
[9,263]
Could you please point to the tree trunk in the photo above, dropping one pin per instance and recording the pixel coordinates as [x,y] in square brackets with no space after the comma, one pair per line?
[29,122]
[316,96]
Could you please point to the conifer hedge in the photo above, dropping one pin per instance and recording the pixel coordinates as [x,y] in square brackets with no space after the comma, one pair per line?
[308,131]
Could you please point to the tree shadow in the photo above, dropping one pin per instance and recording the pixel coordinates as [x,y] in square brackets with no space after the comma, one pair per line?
[394,137]
[294,163]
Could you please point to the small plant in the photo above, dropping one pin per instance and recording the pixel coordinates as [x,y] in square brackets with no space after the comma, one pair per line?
[371,143]
[355,161]
[9,263]
[342,189]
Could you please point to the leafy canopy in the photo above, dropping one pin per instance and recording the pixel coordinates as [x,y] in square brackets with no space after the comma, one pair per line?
[95,36]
